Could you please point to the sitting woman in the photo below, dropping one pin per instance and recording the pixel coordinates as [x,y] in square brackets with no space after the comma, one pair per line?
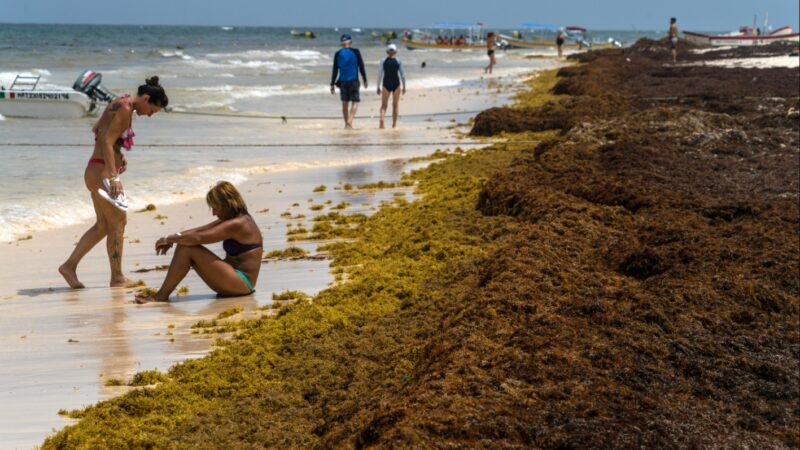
[233,276]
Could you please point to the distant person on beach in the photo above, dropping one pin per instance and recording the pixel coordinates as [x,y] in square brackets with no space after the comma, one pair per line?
[235,275]
[390,70]
[112,133]
[560,43]
[673,38]
[347,63]
[491,41]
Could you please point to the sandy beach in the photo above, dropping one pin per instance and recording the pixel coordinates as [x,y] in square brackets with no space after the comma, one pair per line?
[61,346]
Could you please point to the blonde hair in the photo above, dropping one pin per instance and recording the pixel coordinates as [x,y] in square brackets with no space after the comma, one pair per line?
[224,196]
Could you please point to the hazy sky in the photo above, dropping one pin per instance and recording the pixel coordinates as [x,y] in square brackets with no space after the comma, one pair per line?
[597,14]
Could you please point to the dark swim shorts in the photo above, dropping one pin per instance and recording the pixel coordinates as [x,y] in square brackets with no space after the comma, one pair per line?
[348,91]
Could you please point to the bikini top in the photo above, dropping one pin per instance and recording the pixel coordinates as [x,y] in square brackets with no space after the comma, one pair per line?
[234,248]
[126,138]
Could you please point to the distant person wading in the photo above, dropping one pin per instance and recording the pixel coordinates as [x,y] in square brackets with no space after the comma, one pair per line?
[347,63]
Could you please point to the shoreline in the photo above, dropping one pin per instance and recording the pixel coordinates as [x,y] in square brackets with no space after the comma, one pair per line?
[166,168]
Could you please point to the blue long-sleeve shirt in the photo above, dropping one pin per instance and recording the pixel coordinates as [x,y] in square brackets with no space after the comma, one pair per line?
[347,63]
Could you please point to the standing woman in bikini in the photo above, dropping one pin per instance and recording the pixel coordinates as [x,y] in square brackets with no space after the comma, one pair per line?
[491,41]
[112,133]
[233,276]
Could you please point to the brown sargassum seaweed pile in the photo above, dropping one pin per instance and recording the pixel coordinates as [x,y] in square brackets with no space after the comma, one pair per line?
[629,282]
[656,282]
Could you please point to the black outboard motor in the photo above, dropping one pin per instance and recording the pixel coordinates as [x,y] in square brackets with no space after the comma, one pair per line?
[89,84]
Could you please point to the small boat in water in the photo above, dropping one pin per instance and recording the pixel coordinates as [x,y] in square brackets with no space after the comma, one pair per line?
[414,45]
[575,38]
[451,36]
[385,36]
[746,36]
[24,98]
[303,34]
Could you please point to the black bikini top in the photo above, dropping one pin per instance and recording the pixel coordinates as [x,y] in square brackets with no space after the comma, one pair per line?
[234,248]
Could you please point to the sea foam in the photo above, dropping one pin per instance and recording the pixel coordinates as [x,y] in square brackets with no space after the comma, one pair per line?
[23,218]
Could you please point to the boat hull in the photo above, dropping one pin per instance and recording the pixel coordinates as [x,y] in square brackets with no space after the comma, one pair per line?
[414,45]
[739,40]
[543,43]
[45,104]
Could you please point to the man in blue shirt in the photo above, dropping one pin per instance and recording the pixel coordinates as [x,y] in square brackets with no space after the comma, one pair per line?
[347,63]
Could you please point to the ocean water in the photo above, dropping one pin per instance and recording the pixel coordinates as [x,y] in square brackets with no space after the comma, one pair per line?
[214,76]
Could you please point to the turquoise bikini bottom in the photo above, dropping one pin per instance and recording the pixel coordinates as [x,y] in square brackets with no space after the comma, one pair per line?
[246,280]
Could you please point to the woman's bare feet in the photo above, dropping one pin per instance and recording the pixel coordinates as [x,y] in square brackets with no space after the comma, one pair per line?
[70,276]
[382,126]
[142,299]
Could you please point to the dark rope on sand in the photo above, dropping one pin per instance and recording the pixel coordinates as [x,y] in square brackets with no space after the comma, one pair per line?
[287,118]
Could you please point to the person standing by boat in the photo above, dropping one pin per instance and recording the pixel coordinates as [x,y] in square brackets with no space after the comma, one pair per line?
[491,41]
[560,42]
[673,38]
[112,133]
[347,63]
[391,72]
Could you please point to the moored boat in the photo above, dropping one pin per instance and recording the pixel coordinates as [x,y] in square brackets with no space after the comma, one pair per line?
[413,45]
[575,37]
[744,37]
[385,36]
[451,36]
[25,99]
[303,34]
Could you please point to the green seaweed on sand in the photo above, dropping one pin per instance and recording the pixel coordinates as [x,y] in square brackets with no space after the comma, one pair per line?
[287,253]
[320,188]
[295,231]
[146,292]
[229,312]
[387,185]
[148,378]
[290,295]
[436,155]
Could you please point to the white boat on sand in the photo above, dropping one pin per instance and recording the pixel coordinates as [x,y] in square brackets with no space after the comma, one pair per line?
[24,98]
[745,36]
